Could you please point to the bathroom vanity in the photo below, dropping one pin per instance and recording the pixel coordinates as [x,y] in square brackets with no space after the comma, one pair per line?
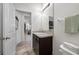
[42,43]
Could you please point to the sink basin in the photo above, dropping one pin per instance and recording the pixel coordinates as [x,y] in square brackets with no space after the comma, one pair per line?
[43,34]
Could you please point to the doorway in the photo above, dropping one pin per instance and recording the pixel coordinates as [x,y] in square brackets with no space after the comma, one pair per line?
[23,26]
[27,27]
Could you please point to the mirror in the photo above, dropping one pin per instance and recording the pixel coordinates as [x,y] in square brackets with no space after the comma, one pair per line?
[47,17]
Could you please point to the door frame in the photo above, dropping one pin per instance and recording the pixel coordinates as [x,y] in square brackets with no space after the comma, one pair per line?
[1,29]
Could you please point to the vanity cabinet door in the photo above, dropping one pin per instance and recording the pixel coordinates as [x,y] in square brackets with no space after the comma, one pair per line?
[36,44]
[42,46]
[45,46]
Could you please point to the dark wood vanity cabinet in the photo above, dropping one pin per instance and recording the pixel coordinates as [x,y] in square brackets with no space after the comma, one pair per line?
[42,46]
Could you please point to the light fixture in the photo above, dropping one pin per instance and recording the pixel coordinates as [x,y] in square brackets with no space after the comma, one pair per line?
[45,6]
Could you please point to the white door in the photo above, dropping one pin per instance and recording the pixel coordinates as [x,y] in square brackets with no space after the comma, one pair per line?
[20,30]
[9,44]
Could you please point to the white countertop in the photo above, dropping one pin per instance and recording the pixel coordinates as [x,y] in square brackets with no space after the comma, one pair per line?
[43,34]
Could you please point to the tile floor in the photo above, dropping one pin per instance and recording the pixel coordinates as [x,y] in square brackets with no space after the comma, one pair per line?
[24,48]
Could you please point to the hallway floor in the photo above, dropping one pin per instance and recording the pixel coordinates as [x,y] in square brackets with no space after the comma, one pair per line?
[24,48]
